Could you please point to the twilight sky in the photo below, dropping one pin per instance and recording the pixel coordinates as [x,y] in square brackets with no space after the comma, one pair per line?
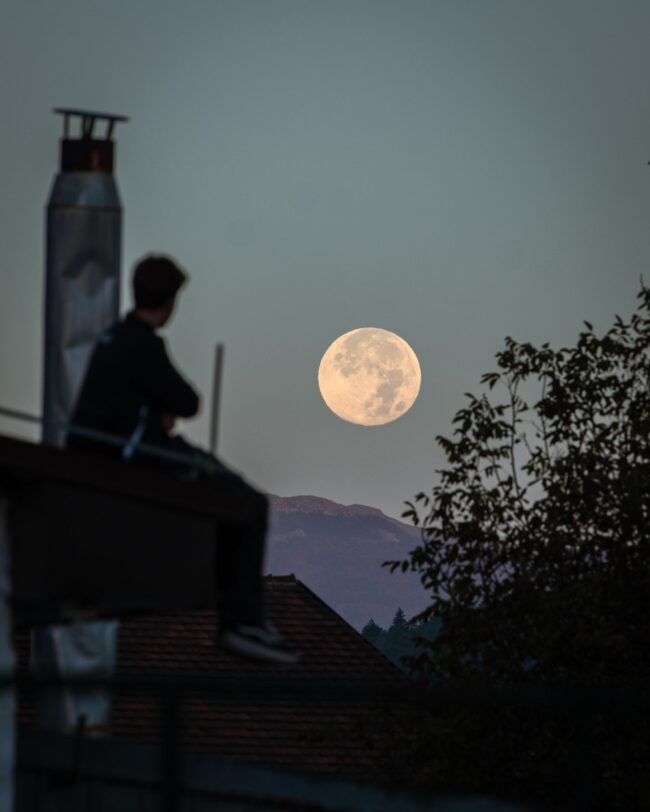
[453,171]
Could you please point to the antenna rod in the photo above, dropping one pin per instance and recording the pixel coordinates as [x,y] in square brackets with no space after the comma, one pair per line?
[216,396]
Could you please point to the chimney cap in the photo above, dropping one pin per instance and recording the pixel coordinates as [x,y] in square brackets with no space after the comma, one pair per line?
[88,119]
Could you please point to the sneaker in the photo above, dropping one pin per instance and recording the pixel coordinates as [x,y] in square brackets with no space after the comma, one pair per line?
[271,629]
[259,643]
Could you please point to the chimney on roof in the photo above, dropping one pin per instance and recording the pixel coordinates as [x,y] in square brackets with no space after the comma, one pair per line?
[82,298]
[83,247]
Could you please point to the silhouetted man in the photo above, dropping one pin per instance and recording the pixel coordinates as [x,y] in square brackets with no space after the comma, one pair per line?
[133,392]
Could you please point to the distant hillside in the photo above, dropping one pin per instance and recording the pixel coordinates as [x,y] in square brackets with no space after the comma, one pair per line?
[337,550]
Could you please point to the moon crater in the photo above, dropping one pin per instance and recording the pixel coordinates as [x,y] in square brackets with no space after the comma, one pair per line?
[369,376]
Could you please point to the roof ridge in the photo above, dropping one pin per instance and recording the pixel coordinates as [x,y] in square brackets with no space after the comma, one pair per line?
[281,579]
[366,642]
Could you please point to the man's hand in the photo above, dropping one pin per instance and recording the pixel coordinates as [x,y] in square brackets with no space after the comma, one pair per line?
[168,421]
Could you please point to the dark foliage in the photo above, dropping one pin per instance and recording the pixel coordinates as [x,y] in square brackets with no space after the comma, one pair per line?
[536,554]
[400,641]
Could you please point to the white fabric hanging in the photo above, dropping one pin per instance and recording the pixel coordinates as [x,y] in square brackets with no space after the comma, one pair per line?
[78,649]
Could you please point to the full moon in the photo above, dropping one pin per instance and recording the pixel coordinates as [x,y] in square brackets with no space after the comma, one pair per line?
[369,376]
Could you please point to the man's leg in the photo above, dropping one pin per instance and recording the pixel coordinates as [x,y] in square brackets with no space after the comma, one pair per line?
[240,561]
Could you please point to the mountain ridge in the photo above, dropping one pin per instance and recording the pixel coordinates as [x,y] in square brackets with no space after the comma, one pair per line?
[318,504]
[338,551]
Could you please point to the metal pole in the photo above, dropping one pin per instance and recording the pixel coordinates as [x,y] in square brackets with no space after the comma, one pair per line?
[216,396]
[171,751]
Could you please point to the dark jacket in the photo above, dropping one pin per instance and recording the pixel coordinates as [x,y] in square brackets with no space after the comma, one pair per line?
[130,382]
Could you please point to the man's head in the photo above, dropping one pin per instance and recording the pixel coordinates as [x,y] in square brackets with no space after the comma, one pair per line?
[156,281]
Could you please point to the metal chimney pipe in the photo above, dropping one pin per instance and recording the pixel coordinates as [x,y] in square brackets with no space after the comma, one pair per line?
[83,249]
[82,297]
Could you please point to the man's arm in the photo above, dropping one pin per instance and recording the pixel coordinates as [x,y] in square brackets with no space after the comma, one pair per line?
[160,382]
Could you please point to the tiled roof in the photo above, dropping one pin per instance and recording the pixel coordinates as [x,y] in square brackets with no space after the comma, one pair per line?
[298,733]
[184,643]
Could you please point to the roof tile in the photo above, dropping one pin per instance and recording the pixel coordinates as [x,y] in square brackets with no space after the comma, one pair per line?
[300,733]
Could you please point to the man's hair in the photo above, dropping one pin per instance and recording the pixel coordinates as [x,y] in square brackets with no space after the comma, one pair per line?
[156,279]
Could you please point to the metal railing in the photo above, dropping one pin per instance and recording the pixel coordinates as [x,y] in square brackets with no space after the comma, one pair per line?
[580,703]
[201,462]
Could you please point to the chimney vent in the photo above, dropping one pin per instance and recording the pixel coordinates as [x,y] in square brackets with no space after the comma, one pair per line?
[88,151]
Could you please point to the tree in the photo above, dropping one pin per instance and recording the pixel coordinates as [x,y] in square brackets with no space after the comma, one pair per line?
[372,631]
[536,539]
[397,641]
[400,628]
